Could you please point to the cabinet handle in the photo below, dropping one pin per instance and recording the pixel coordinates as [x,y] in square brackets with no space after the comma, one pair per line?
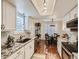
[2,27]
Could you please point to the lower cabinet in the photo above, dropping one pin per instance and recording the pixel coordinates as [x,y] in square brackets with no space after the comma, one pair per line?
[18,54]
[25,52]
[29,50]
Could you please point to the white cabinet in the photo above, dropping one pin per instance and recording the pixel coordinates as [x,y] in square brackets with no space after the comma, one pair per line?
[8,15]
[3,22]
[29,50]
[67,17]
[25,52]
[11,57]
[74,13]
[18,54]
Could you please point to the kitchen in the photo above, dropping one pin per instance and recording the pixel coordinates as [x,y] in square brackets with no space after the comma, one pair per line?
[39,29]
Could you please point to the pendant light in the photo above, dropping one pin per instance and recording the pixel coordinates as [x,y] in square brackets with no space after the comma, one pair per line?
[45,8]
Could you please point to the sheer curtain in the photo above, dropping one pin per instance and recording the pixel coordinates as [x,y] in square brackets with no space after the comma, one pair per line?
[20,22]
[49,29]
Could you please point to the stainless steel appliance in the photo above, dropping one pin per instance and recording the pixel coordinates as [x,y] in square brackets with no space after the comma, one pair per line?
[68,50]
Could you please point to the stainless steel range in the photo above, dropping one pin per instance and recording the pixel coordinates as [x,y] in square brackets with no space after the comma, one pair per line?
[68,50]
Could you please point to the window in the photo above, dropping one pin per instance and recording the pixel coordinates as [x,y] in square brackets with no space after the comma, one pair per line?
[49,29]
[20,22]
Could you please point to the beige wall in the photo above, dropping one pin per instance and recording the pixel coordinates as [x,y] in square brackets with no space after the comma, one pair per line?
[31,26]
[67,18]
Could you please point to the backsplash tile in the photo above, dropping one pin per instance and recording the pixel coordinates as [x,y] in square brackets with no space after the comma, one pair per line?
[4,35]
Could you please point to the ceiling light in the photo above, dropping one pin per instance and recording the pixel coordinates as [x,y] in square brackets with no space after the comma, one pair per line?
[45,8]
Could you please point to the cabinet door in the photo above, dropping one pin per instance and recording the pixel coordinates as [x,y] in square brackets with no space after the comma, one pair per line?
[11,57]
[19,54]
[10,16]
[31,48]
[74,13]
[27,52]
[3,12]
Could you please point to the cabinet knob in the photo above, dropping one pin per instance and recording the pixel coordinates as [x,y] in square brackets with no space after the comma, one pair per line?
[2,27]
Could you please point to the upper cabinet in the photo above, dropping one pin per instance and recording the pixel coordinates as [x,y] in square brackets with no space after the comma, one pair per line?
[71,19]
[8,16]
[74,13]
[67,17]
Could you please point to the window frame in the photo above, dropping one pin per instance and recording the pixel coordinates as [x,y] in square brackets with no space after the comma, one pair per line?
[20,15]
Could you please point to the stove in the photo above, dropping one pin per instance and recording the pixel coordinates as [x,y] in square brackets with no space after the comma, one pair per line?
[68,50]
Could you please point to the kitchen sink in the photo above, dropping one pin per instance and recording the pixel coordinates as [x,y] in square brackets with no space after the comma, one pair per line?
[24,40]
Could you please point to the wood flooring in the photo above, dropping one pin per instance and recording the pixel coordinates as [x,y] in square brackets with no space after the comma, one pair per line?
[45,51]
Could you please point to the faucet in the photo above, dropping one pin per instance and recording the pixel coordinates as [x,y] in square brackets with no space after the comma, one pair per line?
[21,36]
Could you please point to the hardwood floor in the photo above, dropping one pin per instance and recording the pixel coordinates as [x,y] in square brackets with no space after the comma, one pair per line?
[46,51]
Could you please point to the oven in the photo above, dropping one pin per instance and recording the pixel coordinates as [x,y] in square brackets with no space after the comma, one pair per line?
[66,54]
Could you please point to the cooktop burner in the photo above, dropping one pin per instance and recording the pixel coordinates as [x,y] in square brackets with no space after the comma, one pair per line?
[70,47]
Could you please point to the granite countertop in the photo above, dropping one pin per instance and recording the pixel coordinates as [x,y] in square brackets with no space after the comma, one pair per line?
[5,53]
[62,39]
[71,47]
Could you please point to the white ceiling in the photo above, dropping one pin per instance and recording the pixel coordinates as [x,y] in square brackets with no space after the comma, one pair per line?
[39,4]
[58,8]
[64,6]
[25,6]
